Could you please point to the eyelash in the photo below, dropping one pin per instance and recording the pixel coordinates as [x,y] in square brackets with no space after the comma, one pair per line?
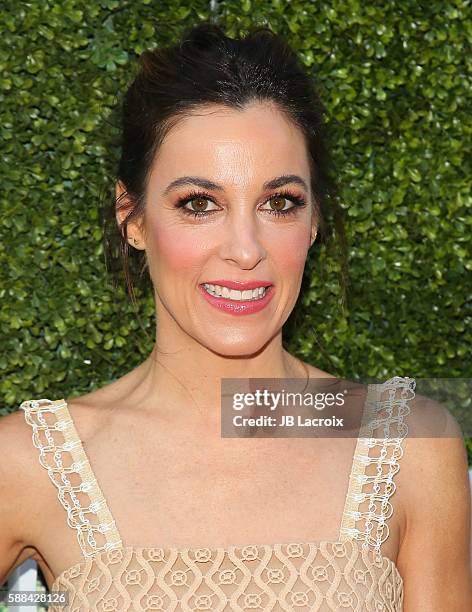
[298,202]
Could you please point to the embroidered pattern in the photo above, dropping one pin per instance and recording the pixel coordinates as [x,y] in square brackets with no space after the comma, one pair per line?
[306,577]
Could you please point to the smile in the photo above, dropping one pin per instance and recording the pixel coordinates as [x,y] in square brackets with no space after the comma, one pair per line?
[235,295]
[236,302]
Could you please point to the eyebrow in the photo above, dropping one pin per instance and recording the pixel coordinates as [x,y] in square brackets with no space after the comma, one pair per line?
[275,183]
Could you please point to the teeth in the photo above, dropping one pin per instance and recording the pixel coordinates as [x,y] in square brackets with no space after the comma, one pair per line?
[233,294]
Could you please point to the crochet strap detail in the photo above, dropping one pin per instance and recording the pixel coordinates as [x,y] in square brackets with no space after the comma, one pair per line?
[69,469]
[373,486]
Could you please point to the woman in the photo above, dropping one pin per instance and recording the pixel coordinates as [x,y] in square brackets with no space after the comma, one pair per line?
[223,186]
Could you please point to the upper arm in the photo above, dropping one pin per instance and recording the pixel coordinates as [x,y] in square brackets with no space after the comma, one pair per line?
[435,554]
[15,487]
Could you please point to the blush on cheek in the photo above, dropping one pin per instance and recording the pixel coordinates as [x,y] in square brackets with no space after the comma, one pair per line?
[175,251]
[291,250]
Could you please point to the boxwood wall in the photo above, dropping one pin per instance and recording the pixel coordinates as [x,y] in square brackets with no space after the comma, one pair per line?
[394,79]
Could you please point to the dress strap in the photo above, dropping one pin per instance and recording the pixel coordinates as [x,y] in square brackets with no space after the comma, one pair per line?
[69,469]
[385,408]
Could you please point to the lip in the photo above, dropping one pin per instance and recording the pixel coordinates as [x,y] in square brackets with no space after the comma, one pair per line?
[238,308]
[241,285]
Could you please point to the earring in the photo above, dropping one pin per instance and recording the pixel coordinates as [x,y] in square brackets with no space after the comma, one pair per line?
[135,241]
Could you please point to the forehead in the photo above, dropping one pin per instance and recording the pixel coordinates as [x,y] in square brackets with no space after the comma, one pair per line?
[235,145]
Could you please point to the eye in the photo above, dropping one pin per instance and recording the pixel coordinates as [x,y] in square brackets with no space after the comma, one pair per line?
[280,200]
[199,204]
[279,204]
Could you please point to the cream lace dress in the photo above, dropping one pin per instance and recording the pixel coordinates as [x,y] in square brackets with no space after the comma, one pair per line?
[350,573]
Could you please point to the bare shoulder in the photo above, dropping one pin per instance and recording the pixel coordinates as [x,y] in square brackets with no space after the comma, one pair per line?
[21,482]
[433,447]
[15,439]
[436,492]
[429,418]
[18,451]
[26,495]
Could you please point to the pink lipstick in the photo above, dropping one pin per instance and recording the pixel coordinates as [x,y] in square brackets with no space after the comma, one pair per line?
[238,307]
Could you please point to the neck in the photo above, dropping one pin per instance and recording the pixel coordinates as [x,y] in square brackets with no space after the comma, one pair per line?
[187,378]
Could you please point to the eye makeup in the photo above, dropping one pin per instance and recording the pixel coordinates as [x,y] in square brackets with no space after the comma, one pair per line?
[298,201]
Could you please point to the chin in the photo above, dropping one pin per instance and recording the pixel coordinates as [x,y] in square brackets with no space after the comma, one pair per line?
[241,347]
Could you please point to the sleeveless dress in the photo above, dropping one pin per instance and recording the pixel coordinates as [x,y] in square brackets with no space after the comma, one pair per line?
[348,574]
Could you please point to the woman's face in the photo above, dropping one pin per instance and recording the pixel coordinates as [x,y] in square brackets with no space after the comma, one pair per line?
[219,164]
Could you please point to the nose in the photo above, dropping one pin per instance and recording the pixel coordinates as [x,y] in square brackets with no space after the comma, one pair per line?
[241,240]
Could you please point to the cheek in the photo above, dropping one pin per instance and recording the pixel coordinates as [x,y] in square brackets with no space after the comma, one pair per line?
[174,251]
[290,250]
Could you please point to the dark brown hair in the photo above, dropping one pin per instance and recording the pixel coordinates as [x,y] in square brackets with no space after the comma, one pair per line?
[207,67]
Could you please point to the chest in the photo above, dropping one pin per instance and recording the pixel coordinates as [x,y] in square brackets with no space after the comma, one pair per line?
[186,493]
[179,491]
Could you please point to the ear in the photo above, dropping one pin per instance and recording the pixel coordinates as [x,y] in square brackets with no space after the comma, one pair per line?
[314,233]
[124,205]
[314,230]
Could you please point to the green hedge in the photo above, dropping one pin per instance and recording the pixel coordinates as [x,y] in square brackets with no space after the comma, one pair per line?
[394,80]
